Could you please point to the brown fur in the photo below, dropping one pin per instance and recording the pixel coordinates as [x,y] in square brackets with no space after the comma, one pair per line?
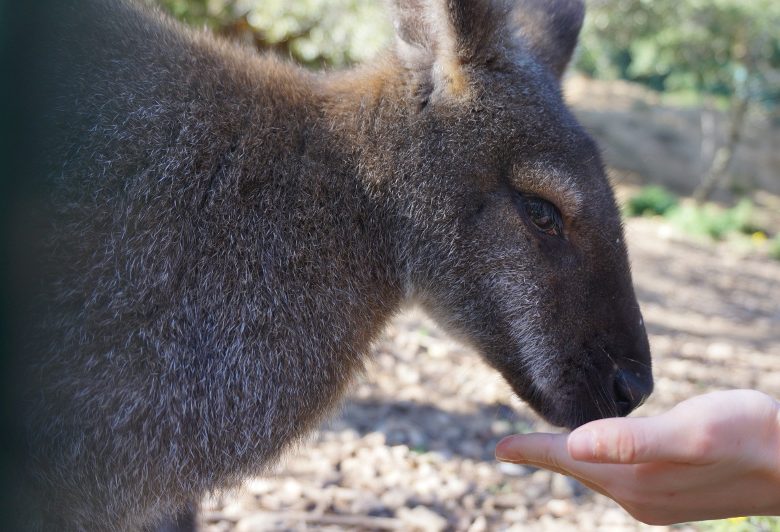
[225,234]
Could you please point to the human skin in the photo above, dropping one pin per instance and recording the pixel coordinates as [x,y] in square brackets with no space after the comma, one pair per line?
[710,457]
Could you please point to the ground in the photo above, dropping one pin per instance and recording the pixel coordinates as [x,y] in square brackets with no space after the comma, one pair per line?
[413,447]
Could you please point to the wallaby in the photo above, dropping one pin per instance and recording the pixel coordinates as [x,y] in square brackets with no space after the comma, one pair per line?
[225,233]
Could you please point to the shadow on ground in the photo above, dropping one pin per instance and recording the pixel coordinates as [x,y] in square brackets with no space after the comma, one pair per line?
[425,427]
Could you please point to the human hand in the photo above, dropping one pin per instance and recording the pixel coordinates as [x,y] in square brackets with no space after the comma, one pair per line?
[711,456]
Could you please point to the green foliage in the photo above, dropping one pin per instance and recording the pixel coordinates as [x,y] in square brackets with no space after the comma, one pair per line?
[713,221]
[335,32]
[212,13]
[720,47]
[774,247]
[707,220]
[652,201]
[313,32]
[741,524]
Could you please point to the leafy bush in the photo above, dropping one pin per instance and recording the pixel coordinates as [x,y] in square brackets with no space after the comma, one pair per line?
[741,524]
[316,33]
[774,247]
[686,45]
[707,220]
[653,201]
[713,221]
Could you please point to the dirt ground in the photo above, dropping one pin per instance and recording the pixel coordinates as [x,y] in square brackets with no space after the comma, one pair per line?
[413,447]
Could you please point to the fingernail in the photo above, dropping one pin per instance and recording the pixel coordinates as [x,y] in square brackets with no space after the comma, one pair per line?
[582,444]
[503,450]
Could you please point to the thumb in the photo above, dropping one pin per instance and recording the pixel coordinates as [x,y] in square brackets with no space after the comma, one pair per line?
[538,448]
[631,441]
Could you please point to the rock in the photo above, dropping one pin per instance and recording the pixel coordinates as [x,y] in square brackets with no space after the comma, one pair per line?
[554,524]
[720,351]
[513,470]
[501,426]
[559,507]
[290,492]
[233,512]
[394,498]
[453,488]
[563,487]
[374,439]
[541,477]
[509,500]
[614,518]
[472,449]
[259,486]
[469,502]
[539,484]
[256,522]
[479,525]
[222,526]
[271,501]
[422,519]
[516,516]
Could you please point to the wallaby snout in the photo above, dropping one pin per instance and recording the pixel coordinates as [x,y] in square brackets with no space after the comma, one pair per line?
[631,390]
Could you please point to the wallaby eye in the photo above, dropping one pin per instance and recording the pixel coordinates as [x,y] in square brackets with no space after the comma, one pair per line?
[544,215]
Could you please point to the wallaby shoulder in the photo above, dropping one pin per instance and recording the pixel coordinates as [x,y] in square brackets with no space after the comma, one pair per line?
[217,269]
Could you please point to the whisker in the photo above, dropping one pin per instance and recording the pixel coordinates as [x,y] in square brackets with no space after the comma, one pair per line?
[635,361]
[639,362]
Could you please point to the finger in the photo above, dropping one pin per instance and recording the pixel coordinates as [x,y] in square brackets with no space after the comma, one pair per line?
[550,451]
[670,437]
[539,447]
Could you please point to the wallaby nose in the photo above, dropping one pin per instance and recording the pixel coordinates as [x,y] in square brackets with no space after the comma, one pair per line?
[631,389]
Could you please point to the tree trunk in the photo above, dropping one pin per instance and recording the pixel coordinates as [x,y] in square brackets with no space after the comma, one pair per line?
[724,156]
[708,118]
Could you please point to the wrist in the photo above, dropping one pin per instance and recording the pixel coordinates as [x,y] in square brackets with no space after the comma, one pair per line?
[777,441]
[767,500]
[774,472]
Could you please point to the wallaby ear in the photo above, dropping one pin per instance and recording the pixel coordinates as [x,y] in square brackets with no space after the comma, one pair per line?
[549,28]
[441,38]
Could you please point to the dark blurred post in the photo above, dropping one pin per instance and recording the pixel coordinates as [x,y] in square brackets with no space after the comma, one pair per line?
[24,42]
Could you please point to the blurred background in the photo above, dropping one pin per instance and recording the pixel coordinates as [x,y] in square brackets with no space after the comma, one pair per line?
[684,98]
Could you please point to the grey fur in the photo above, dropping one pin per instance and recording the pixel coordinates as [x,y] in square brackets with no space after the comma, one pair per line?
[226,234]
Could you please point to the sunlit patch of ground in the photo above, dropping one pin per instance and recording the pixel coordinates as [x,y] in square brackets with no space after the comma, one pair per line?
[413,447]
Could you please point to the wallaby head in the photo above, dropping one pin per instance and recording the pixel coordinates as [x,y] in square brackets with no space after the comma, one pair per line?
[508,230]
